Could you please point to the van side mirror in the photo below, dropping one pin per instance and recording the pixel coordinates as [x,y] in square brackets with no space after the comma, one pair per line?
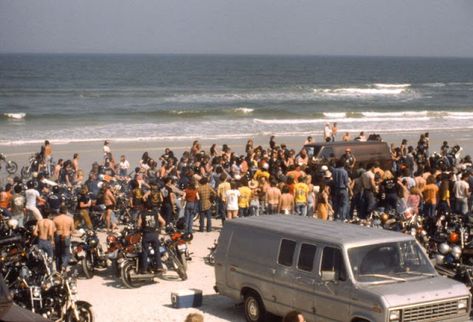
[328,276]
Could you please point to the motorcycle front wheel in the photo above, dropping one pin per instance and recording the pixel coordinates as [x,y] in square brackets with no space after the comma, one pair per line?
[126,272]
[179,268]
[183,260]
[11,167]
[25,173]
[88,266]
[84,312]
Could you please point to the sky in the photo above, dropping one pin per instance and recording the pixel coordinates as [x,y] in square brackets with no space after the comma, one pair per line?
[300,27]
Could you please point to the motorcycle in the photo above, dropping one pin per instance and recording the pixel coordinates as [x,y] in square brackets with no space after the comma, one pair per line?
[10,166]
[210,258]
[172,257]
[89,254]
[27,170]
[50,294]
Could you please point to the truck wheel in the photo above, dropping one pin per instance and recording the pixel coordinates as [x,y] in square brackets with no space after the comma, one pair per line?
[254,308]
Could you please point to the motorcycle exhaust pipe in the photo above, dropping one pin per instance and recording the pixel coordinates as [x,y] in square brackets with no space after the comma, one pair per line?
[142,277]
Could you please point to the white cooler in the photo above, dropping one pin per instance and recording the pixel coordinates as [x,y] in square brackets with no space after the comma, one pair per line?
[186,298]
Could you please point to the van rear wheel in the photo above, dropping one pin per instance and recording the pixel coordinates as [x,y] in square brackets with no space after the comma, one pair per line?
[254,308]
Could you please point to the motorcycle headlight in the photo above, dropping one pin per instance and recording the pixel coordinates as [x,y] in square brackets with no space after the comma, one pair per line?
[395,315]
[73,286]
[36,291]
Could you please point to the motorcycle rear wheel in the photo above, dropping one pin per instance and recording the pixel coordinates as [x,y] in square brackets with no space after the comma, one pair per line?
[84,310]
[127,270]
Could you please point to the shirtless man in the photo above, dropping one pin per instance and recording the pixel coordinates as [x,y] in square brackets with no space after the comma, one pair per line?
[45,229]
[286,203]
[109,201]
[64,230]
[273,194]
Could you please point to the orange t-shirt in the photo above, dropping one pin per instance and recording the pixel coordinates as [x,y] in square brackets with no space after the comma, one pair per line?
[430,193]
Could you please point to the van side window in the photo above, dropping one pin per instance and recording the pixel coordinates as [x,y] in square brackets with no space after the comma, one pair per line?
[326,153]
[306,257]
[332,261]
[286,252]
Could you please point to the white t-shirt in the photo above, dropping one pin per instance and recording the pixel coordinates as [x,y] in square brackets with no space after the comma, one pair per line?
[232,199]
[460,189]
[31,195]
[125,165]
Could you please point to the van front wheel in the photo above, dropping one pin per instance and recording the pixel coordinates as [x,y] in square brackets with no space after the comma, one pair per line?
[254,309]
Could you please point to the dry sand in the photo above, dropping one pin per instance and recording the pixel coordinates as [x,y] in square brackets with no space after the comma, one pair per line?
[152,302]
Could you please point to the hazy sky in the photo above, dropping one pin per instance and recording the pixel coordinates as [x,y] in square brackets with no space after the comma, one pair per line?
[349,27]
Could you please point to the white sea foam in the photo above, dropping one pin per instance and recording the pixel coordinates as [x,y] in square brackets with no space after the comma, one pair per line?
[382,85]
[360,92]
[394,114]
[335,114]
[244,110]
[344,120]
[15,116]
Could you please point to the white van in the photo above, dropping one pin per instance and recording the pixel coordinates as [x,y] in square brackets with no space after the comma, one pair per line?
[332,271]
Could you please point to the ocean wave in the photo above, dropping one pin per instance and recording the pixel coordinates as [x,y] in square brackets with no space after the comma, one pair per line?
[334,114]
[15,116]
[344,120]
[382,85]
[244,110]
[360,92]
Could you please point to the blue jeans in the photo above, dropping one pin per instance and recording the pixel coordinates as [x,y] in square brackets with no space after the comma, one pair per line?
[206,214]
[46,246]
[243,212]
[63,253]
[191,209]
[341,206]
[221,209]
[301,209]
[429,210]
[150,238]
[461,206]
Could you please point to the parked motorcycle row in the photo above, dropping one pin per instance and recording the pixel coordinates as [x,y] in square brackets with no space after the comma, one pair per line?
[34,285]
[123,254]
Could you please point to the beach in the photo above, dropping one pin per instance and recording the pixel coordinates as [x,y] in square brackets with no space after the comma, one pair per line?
[93,151]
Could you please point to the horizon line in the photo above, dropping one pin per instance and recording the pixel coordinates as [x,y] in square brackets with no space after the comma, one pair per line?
[231,54]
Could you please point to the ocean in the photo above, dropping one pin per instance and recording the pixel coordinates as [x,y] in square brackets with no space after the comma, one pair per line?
[76,98]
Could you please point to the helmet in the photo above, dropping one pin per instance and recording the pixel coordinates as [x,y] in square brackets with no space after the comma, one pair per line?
[323,168]
[453,237]
[456,252]
[444,248]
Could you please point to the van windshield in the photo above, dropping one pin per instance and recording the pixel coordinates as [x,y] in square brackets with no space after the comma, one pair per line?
[389,262]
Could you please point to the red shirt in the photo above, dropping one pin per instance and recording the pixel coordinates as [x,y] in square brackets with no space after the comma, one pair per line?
[191,195]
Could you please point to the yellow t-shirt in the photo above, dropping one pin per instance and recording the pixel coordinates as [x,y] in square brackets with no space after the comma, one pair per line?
[300,192]
[245,197]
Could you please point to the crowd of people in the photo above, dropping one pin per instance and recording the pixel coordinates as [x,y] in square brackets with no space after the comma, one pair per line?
[263,180]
